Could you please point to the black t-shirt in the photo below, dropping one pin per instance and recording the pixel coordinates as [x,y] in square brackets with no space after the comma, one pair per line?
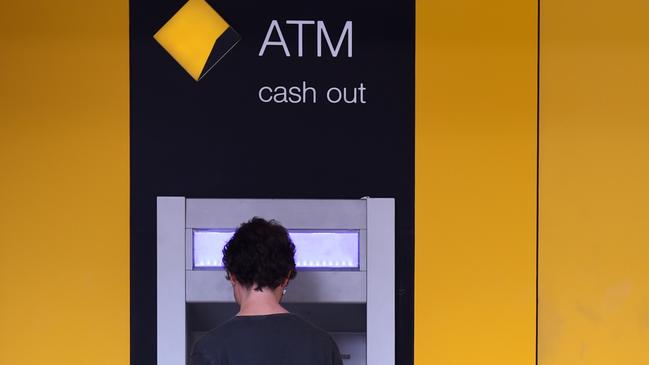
[274,339]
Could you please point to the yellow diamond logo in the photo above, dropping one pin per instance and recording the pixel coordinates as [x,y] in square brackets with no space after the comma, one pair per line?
[197,37]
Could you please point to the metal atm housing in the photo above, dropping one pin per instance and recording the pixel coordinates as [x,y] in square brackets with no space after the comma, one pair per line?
[347,292]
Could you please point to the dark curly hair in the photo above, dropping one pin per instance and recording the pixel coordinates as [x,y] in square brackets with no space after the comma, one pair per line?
[260,253]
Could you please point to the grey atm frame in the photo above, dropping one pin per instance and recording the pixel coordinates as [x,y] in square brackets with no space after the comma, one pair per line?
[374,284]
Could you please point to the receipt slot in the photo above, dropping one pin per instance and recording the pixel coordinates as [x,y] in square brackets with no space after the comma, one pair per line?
[344,257]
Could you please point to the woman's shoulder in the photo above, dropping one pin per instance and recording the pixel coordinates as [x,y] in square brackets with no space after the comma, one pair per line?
[315,331]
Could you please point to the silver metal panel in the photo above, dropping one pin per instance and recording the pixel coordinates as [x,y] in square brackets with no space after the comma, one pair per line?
[171,280]
[308,286]
[362,250]
[208,286]
[189,249]
[291,213]
[327,287]
[380,282]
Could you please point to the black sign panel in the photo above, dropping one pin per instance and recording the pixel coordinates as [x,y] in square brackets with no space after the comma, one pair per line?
[294,99]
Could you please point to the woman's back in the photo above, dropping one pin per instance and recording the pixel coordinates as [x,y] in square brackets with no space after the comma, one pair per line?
[273,339]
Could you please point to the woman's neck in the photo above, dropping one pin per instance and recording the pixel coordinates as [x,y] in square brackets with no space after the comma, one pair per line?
[254,302]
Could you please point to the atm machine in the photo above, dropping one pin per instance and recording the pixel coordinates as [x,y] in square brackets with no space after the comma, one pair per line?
[345,271]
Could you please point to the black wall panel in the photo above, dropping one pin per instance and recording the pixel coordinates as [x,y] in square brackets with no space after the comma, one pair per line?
[215,138]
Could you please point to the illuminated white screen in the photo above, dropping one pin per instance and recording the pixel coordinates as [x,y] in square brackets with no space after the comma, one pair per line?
[315,250]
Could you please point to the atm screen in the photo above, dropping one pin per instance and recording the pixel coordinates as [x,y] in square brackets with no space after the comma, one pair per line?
[314,250]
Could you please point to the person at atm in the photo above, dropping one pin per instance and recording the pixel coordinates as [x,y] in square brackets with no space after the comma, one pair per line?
[260,261]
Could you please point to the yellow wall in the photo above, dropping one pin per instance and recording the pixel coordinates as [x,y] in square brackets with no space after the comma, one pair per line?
[594,224]
[475,182]
[64,239]
[64,183]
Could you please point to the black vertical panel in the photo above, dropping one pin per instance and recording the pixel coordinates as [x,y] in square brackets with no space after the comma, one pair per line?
[214,138]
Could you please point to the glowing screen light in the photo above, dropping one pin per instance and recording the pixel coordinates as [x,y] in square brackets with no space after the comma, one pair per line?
[208,246]
[314,250]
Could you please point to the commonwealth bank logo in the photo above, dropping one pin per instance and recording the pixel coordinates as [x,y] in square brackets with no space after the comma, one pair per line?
[197,37]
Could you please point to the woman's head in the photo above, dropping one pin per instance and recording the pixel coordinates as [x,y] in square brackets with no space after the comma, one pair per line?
[260,254]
